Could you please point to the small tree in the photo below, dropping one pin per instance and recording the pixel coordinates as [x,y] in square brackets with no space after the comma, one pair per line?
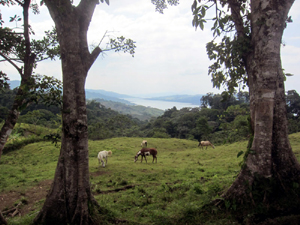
[203,129]
[16,49]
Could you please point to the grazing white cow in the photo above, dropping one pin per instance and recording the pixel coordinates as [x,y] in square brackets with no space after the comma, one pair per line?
[205,143]
[103,155]
[144,144]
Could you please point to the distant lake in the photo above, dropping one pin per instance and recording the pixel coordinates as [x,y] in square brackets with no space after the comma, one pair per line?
[163,105]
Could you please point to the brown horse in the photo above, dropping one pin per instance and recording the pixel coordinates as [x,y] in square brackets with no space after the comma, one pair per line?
[146,151]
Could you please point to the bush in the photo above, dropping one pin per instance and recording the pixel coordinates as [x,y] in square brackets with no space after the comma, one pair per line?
[17,144]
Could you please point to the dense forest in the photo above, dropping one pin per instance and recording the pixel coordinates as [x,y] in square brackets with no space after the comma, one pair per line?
[220,119]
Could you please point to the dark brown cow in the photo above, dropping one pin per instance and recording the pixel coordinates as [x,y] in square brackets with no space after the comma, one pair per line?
[144,152]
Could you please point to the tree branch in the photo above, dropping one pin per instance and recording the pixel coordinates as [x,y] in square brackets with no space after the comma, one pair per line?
[55,9]
[29,57]
[15,33]
[102,38]
[12,63]
[237,18]
[86,10]
[93,56]
[17,1]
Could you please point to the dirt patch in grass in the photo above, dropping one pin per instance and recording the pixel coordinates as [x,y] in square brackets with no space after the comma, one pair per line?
[30,198]
[98,173]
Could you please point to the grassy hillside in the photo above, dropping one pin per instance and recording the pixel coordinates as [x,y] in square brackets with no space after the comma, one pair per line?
[169,192]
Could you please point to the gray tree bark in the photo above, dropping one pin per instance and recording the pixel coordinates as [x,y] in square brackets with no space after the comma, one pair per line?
[70,200]
[271,155]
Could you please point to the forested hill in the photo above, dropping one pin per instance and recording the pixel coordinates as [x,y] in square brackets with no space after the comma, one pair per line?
[107,93]
[117,97]
[91,94]
[114,101]
[216,120]
[136,111]
[107,96]
[110,100]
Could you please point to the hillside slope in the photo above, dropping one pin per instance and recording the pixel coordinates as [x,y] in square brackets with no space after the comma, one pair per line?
[108,96]
[171,191]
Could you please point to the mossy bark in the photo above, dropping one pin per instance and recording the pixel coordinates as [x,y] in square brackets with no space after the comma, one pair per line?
[271,161]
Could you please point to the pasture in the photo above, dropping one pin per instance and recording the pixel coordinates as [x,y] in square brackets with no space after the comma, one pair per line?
[170,191]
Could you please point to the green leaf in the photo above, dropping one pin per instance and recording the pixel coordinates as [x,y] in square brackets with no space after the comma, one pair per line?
[288,74]
[203,12]
[201,25]
[194,5]
[215,24]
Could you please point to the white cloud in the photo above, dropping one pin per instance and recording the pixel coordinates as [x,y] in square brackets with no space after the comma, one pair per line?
[170,55]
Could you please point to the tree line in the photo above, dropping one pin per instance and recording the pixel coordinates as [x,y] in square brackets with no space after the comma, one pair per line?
[217,119]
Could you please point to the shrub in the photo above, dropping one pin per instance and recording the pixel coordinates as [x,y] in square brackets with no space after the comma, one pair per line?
[17,144]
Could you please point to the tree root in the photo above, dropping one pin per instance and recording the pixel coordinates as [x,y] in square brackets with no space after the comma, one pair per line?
[2,220]
[13,211]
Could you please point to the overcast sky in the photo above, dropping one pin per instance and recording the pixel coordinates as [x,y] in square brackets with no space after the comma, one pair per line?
[170,56]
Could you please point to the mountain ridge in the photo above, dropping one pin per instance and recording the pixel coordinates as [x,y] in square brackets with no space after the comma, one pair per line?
[117,97]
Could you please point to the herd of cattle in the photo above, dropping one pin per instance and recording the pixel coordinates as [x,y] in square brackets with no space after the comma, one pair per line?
[143,152]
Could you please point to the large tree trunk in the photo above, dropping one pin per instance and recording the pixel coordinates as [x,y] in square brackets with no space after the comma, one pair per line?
[70,200]
[70,196]
[271,170]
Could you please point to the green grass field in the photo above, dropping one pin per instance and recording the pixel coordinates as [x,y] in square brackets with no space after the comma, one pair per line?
[170,192]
